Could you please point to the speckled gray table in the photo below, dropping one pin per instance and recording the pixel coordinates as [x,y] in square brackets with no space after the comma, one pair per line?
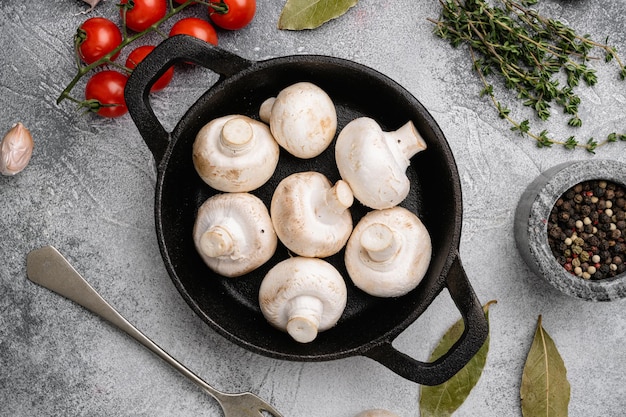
[89,191]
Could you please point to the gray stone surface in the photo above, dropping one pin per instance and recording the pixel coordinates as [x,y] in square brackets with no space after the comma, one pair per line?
[89,190]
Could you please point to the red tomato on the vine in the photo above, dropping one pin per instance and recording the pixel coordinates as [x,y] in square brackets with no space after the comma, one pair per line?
[96,37]
[196,27]
[238,15]
[141,14]
[137,55]
[107,87]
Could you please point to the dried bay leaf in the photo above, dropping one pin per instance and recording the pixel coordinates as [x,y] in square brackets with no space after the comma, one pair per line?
[444,399]
[309,14]
[545,390]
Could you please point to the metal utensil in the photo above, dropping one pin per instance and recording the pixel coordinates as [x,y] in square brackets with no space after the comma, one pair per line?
[47,267]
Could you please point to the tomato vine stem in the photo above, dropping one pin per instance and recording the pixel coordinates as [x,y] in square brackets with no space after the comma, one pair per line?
[127,39]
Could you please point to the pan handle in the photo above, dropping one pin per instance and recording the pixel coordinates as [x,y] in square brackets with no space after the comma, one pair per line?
[175,49]
[444,368]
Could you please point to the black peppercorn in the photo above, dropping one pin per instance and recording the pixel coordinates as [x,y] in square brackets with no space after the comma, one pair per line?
[593,240]
[586,229]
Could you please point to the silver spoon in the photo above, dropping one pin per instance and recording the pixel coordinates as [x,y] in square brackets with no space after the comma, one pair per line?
[48,268]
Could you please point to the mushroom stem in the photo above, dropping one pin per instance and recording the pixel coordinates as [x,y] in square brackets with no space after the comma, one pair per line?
[237,135]
[380,242]
[409,139]
[337,199]
[216,241]
[305,313]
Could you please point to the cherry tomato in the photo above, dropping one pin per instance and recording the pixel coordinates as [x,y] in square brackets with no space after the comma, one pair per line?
[137,55]
[239,14]
[143,13]
[96,37]
[108,88]
[196,27]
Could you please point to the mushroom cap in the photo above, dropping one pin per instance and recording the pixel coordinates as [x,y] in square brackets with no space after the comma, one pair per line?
[302,218]
[235,153]
[233,233]
[373,162]
[376,412]
[303,120]
[303,296]
[388,273]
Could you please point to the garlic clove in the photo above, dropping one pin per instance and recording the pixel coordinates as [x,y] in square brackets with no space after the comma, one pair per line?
[16,149]
[92,4]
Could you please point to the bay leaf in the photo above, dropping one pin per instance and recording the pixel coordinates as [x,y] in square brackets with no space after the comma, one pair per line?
[309,14]
[444,399]
[545,390]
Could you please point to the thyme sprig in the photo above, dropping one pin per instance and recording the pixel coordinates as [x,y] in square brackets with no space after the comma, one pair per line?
[531,54]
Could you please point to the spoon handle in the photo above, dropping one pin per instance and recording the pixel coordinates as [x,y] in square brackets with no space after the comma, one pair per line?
[47,267]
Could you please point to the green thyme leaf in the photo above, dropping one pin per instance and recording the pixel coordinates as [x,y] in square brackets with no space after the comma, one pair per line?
[528,53]
[571,143]
[575,122]
[591,145]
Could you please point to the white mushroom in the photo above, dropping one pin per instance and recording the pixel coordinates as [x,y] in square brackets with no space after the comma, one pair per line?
[376,412]
[374,162]
[233,233]
[303,296]
[235,153]
[311,216]
[302,119]
[388,253]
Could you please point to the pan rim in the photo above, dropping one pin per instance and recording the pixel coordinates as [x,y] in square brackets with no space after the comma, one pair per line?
[453,240]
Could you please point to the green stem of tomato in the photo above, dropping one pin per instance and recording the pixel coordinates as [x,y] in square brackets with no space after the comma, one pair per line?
[220,8]
[85,69]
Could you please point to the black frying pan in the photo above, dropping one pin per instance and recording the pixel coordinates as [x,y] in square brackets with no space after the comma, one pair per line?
[369,324]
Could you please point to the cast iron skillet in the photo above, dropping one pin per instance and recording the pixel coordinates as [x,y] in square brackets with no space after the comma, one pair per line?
[369,325]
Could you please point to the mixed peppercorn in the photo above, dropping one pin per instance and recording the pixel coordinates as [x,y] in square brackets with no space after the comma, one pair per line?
[586,229]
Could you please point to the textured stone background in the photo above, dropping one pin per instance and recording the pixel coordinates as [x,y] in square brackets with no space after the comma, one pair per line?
[89,191]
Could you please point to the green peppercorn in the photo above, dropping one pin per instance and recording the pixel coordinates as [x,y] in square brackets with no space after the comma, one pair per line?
[584,256]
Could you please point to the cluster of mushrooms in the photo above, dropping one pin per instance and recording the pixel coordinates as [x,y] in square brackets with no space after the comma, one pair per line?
[386,253]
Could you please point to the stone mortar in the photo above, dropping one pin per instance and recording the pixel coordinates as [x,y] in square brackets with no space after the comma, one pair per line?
[531,227]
